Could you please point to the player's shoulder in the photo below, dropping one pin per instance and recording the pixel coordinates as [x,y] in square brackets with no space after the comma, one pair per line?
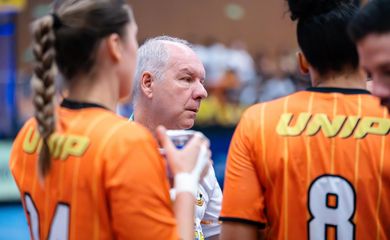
[135,132]
[108,131]
[116,125]
[275,104]
[254,112]
[29,124]
[126,140]
[126,130]
[18,142]
[372,103]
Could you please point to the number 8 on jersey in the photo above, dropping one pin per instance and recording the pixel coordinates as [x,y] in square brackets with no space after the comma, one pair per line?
[332,204]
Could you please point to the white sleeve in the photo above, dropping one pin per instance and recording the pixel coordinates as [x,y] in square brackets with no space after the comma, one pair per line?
[210,224]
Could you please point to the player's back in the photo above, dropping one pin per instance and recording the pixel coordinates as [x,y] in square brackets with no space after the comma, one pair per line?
[106,179]
[322,166]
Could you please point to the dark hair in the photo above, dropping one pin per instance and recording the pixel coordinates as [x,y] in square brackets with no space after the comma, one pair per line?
[322,33]
[69,39]
[372,18]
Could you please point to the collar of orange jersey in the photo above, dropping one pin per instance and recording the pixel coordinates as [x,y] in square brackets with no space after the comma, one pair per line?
[338,90]
[72,104]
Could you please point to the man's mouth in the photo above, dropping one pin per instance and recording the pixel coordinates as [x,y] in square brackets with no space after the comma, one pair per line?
[195,110]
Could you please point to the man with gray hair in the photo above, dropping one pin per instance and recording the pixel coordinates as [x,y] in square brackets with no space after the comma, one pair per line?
[168,86]
[168,90]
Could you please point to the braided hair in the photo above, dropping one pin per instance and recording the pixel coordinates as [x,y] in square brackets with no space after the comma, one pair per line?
[43,86]
[69,39]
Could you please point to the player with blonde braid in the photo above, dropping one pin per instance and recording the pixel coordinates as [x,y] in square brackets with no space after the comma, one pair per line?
[44,87]
[99,176]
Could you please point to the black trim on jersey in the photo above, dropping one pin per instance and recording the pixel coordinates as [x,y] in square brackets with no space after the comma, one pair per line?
[245,221]
[338,90]
[72,104]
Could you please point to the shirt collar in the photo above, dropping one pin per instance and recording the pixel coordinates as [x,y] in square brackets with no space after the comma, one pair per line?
[72,104]
[338,90]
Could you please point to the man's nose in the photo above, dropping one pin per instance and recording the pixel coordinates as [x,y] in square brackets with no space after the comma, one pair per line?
[199,91]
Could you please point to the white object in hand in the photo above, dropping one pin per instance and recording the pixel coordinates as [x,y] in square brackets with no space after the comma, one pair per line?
[188,182]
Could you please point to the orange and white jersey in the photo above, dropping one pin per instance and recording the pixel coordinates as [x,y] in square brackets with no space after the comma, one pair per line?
[312,165]
[107,179]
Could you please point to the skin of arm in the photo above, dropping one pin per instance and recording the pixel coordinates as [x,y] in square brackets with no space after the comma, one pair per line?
[183,208]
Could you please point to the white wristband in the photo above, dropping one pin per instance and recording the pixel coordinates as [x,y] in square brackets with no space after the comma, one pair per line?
[186,182]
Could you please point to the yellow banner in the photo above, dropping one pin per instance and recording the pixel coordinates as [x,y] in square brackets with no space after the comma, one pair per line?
[16,5]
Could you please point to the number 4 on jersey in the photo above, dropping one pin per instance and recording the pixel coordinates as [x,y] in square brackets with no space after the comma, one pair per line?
[59,228]
[332,204]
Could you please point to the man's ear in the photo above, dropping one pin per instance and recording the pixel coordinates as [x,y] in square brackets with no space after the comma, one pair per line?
[303,63]
[147,82]
[114,47]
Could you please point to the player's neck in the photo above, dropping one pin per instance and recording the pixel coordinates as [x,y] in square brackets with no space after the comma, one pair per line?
[353,80]
[94,89]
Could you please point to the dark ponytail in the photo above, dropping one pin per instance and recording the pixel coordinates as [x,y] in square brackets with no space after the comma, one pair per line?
[302,9]
[322,34]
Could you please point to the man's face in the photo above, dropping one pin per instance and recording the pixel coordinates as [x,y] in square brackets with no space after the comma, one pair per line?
[177,95]
[374,53]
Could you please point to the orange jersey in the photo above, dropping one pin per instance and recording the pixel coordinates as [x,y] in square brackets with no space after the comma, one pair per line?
[107,179]
[312,165]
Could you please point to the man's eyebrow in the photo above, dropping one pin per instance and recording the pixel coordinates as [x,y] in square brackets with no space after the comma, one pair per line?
[188,71]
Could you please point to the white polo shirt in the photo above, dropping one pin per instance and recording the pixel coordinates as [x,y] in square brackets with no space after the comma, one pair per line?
[208,207]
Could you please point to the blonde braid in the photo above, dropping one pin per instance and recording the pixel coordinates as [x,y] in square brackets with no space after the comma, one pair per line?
[43,86]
